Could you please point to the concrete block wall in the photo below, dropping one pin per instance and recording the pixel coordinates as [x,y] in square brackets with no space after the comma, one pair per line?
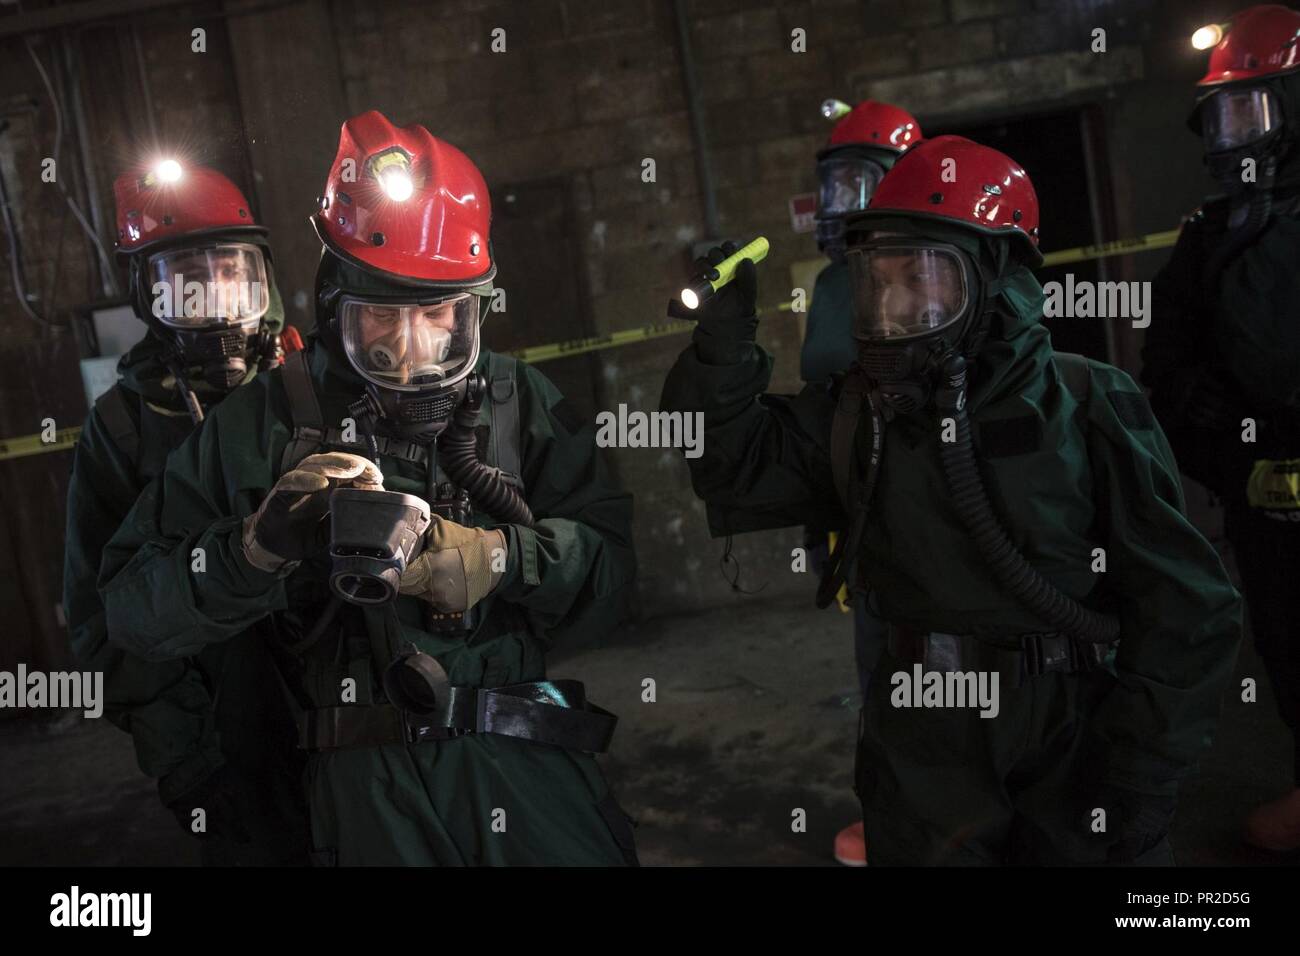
[586,92]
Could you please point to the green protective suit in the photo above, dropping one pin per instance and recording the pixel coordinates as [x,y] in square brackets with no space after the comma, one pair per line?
[476,799]
[828,344]
[187,717]
[1063,480]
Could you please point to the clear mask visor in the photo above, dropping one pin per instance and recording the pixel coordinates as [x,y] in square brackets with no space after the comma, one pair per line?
[906,290]
[1231,119]
[411,346]
[207,287]
[846,185]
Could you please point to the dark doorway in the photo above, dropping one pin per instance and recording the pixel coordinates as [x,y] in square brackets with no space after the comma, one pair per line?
[1055,150]
[537,250]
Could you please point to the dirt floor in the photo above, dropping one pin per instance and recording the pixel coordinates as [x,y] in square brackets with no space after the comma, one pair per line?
[754,717]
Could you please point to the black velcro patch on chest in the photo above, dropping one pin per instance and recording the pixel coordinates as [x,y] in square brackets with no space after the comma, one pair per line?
[566,415]
[1133,409]
[1004,437]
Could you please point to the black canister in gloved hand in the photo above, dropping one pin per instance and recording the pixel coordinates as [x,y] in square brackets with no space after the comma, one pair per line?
[373,534]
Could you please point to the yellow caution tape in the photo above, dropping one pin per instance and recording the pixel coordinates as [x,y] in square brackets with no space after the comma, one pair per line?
[1120,247]
[25,445]
[67,437]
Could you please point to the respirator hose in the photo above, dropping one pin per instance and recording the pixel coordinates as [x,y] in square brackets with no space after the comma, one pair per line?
[1007,564]
[458,456]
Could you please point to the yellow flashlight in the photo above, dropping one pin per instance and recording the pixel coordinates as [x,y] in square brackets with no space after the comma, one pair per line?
[1207,36]
[834,109]
[700,290]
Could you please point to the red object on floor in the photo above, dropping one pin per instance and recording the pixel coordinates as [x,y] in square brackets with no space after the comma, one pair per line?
[851,845]
[1276,825]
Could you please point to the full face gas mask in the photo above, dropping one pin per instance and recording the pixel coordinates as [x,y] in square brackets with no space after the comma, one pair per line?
[208,301]
[1244,127]
[915,304]
[415,348]
[846,180]
[415,356]
[1237,125]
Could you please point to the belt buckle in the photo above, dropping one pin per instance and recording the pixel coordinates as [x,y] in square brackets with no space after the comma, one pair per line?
[416,733]
[1033,655]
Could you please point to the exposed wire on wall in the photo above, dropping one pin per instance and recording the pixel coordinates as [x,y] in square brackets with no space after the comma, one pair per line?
[106,263]
[16,254]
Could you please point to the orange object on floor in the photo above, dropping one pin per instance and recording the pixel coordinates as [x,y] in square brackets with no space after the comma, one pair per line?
[851,845]
[1273,826]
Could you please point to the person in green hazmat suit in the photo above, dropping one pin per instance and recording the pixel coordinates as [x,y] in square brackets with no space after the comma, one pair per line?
[1059,633]
[864,144]
[413,521]
[209,727]
[1222,354]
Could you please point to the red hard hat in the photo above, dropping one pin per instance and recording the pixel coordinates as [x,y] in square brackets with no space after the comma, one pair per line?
[169,201]
[1258,41]
[875,124]
[982,190]
[402,203]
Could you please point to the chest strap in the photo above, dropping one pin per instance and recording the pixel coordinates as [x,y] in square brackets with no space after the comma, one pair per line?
[844,431]
[121,426]
[308,422]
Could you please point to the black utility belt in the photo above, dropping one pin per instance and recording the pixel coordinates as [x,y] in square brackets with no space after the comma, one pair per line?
[1050,652]
[546,712]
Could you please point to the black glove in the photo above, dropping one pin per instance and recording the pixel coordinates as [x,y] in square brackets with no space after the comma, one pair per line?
[221,797]
[287,526]
[1136,821]
[727,319]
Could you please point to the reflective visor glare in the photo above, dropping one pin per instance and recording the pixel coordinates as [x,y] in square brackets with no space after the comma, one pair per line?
[217,285]
[901,291]
[1235,118]
[411,346]
[847,185]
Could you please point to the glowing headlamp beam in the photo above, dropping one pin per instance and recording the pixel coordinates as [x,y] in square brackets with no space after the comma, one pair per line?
[167,171]
[1207,36]
[397,184]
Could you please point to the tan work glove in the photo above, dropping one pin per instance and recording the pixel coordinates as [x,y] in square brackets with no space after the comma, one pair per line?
[284,529]
[458,568]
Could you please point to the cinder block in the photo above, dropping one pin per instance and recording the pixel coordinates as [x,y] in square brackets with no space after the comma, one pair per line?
[582,19]
[738,34]
[955,44]
[875,54]
[784,72]
[963,10]
[891,15]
